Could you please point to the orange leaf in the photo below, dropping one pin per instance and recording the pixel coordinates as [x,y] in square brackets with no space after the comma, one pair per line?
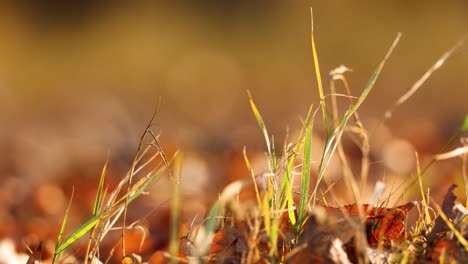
[382,224]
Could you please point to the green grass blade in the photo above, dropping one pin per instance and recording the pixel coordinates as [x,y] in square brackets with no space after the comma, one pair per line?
[288,180]
[274,158]
[97,203]
[464,126]
[99,198]
[136,191]
[62,229]
[79,233]
[286,189]
[303,204]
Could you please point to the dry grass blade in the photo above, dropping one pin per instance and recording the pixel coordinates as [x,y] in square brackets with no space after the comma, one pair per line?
[452,154]
[347,172]
[109,215]
[106,215]
[261,123]
[175,209]
[452,228]
[332,142]
[317,72]
[132,173]
[335,75]
[448,54]
[252,174]
[463,128]
[425,204]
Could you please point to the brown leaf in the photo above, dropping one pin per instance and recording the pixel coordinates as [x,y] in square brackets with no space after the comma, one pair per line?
[319,232]
[387,224]
[382,224]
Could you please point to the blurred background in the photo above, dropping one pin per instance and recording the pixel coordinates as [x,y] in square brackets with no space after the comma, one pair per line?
[79,79]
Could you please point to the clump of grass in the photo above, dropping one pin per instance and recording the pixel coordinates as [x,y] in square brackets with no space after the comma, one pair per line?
[278,198]
[110,207]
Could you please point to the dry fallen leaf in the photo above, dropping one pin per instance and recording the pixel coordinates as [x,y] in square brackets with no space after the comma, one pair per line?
[382,224]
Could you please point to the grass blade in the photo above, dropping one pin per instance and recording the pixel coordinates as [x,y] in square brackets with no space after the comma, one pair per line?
[425,76]
[99,198]
[249,168]
[425,204]
[303,205]
[286,194]
[97,204]
[261,123]
[317,73]
[79,233]
[373,79]
[136,190]
[175,210]
[461,239]
[464,126]
[332,142]
[58,249]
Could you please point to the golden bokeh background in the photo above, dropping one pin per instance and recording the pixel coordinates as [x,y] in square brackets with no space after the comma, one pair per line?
[80,78]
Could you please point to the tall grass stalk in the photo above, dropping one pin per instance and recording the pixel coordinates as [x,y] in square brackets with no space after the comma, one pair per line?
[98,201]
[175,209]
[57,251]
[317,73]
[108,210]
[305,184]
[332,141]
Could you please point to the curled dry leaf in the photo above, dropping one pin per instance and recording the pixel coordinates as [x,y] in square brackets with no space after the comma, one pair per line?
[382,224]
